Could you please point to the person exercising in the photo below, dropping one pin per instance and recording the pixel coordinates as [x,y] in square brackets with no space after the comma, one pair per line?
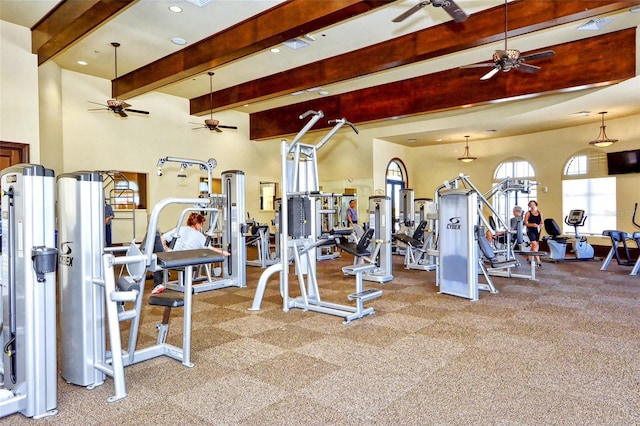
[191,238]
[352,213]
[533,222]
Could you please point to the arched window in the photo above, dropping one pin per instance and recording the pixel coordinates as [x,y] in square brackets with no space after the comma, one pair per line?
[516,180]
[586,186]
[396,180]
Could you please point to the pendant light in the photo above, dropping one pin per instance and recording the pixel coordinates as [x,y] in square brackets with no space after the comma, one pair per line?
[466,157]
[603,140]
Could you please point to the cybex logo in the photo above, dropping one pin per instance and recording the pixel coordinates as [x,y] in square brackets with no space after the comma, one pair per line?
[65,257]
[454,223]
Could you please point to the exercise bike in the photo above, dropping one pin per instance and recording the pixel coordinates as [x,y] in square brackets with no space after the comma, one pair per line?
[582,250]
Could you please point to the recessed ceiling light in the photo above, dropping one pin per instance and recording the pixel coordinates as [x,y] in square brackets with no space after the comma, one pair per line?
[412,140]
[595,24]
[83,63]
[298,93]
[175,9]
[296,43]
[275,50]
[490,131]
[245,105]
[582,113]
[323,93]
[200,3]
[179,41]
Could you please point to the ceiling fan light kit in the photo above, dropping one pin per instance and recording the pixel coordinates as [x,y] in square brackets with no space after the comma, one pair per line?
[116,105]
[466,157]
[210,123]
[603,141]
[507,59]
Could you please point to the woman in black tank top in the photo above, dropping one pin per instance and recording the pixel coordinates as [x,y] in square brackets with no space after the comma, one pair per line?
[533,222]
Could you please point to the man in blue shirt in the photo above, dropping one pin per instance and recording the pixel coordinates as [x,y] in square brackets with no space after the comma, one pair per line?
[352,213]
[108,216]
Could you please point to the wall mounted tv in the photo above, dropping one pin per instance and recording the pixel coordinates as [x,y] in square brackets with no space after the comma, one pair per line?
[623,162]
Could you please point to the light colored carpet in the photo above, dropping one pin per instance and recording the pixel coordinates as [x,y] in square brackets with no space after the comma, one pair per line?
[564,350]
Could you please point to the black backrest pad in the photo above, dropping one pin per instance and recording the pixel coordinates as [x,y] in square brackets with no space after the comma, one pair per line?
[365,240]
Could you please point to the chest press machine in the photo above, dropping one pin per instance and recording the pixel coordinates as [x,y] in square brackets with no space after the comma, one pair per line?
[298,235]
[93,300]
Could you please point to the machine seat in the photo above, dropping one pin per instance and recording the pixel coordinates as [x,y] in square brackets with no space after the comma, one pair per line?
[414,240]
[361,248]
[181,258]
[552,228]
[167,302]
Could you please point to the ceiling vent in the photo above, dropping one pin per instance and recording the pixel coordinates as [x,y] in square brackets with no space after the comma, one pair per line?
[199,3]
[296,43]
[595,24]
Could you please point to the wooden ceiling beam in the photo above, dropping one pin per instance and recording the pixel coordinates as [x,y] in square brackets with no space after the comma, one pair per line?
[584,63]
[68,22]
[525,16]
[285,21]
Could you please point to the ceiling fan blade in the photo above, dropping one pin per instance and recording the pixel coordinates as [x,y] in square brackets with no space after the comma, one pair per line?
[452,9]
[217,130]
[96,103]
[483,65]
[121,113]
[98,109]
[539,55]
[490,74]
[125,105]
[528,68]
[411,11]
[227,127]
[137,111]
[196,128]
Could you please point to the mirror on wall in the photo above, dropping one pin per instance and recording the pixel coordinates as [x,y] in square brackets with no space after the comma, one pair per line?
[267,196]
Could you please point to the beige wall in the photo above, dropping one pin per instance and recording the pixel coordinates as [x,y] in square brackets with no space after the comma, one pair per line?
[18,88]
[52,106]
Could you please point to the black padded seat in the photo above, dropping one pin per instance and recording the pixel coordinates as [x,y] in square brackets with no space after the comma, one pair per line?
[552,228]
[181,258]
[489,254]
[169,302]
[362,247]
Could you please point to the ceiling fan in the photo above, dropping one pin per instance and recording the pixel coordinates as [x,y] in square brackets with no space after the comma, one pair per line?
[210,123]
[449,6]
[116,105]
[507,59]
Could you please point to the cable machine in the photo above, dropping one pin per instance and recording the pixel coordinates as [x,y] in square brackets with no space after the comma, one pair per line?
[300,185]
[29,259]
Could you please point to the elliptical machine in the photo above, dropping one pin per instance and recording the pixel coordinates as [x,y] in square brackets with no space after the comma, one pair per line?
[558,245]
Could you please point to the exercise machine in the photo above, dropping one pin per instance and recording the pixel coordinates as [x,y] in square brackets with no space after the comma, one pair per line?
[96,299]
[261,239]
[619,239]
[29,259]
[458,248]
[558,245]
[298,236]
[380,221]
[228,223]
[636,237]
[406,217]
[328,209]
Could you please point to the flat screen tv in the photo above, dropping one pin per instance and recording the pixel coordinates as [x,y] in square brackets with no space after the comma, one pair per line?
[623,162]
